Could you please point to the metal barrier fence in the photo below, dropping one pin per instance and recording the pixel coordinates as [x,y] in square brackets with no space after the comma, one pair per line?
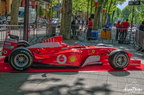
[14,30]
[139,40]
[52,29]
[107,35]
[49,30]
[33,32]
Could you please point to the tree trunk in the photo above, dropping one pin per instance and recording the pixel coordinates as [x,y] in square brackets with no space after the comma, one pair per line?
[91,7]
[111,2]
[66,19]
[15,12]
[97,15]
[104,14]
[88,9]
[96,18]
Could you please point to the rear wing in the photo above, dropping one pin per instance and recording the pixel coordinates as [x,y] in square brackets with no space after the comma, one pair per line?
[10,37]
[53,39]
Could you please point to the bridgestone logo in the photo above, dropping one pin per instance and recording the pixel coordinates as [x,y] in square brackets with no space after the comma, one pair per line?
[27,54]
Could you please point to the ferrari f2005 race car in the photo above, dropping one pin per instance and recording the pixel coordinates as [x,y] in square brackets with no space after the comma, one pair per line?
[52,51]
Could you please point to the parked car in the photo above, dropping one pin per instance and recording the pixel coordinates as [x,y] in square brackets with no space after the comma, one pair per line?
[55,20]
[3,20]
[32,16]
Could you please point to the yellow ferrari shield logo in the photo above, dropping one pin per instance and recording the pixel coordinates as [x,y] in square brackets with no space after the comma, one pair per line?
[93,51]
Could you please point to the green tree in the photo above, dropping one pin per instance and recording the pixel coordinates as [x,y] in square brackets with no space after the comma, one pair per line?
[117,14]
[110,8]
[141,11]
[134,13]
[41,11]
[126,12]
[78,5]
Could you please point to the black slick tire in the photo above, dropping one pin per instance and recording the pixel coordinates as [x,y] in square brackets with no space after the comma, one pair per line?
[118,59]
[21,59]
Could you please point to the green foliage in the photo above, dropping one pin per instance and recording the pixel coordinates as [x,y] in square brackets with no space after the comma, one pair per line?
[117,14]
[111,7]
[41,12]
[48,13]
[126,12]
[136,12]
[80,5]
[54,2]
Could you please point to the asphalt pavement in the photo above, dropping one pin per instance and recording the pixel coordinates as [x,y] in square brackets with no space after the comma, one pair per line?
[77,83]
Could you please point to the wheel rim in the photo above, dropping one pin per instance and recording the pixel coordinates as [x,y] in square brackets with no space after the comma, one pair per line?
[121,60]
[21,60]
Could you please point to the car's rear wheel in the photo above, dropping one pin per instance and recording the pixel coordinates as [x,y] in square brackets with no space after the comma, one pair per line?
[20,44]
[21,59]
[118,59]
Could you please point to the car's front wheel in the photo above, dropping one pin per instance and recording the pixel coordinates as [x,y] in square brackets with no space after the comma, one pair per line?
[21,59]
[118,59]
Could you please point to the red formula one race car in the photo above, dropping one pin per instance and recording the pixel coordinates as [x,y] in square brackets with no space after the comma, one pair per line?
[52,51]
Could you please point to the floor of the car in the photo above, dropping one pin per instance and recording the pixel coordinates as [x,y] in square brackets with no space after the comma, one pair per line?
[40,65]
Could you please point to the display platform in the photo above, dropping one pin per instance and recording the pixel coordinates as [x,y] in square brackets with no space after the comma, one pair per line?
[5,67]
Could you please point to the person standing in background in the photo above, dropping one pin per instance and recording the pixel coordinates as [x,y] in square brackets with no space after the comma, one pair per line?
[125,28]
[73,27]
[81,24]
[141,27]
[90,24]
[118,26]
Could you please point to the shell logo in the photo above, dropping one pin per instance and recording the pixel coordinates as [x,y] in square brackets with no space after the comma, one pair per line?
[93,51]
[72,58]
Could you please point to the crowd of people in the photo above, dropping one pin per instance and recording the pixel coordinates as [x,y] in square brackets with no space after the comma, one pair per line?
[122,29]
[76,24]
[79,24]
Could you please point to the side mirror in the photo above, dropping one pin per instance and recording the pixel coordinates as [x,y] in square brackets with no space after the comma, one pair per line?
[76,43]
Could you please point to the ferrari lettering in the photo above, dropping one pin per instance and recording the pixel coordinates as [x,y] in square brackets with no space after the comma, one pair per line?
[61,59]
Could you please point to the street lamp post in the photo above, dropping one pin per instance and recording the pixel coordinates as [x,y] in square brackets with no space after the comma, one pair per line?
[26,20]
[132,20]
[133,3]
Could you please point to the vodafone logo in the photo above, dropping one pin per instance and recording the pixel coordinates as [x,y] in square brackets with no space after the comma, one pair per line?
[4,52]
[61,59]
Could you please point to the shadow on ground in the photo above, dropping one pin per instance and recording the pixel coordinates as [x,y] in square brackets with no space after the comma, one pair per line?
[119,73]
[27,84]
